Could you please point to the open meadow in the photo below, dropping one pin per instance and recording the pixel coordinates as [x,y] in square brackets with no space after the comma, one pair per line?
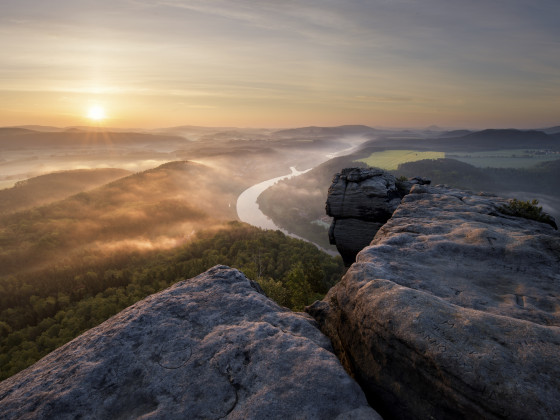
[391,159]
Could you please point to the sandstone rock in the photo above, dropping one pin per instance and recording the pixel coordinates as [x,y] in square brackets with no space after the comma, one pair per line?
[210,347]
[366,194]
[452,312]
[351,235]
[358,194]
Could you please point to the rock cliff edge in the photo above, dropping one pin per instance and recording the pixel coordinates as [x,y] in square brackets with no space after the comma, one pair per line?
[452,311]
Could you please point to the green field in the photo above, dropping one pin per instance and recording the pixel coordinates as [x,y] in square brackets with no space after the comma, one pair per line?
[391,159]
[507,158]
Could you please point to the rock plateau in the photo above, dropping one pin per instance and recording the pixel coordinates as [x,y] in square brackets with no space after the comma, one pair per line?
[212,347]
[452,311]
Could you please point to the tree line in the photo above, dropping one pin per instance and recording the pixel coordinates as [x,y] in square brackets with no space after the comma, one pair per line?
[44,308]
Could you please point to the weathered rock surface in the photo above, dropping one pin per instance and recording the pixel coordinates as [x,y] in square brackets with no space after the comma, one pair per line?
[211,347]
[361,200]
[452,312]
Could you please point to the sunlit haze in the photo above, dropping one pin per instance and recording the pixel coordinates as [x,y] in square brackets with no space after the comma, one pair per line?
[388,63]
[96,113]
[373,150]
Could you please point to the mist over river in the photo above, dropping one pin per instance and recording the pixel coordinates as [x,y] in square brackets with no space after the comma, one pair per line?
[248,209]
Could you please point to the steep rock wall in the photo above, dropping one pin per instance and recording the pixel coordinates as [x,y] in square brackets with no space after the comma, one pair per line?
[360,201]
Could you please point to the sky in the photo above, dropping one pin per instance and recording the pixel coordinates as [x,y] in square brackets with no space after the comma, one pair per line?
[282,63]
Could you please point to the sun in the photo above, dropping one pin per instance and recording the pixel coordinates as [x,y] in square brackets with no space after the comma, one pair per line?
[96,113]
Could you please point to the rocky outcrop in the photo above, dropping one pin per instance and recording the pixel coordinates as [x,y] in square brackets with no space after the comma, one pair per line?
[360,201]
[452,312]
[211,347]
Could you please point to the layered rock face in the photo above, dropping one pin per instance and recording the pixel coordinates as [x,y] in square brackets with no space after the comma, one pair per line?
[360,202]
[452,312]
[212,347]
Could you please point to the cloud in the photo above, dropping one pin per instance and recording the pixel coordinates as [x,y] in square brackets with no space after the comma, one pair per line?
[384,99]
[202,106]
[216,52]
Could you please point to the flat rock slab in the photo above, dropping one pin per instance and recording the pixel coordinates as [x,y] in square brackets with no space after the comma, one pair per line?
[212,347]
[452,312]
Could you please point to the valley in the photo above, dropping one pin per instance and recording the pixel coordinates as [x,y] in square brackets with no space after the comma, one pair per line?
[489,161]
[78,245]
[279,210]
[100,220]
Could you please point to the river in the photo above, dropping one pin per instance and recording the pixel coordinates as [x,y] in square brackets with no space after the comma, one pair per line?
[248,209]
[249,212]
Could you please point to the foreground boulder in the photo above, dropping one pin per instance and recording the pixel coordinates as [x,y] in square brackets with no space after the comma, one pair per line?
[212,347]
[360,201]
[452,312]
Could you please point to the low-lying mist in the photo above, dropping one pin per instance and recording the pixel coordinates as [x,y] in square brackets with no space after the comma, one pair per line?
[131,213]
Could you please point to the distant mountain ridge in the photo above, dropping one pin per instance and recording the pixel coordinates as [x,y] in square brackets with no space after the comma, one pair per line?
[508,133]
[21,137]
[509,138]
[490,139]
[551,130]
[15,131]
[325,131]
[455,133]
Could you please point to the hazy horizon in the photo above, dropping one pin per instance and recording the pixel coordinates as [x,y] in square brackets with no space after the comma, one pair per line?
[165,63]
[432,127]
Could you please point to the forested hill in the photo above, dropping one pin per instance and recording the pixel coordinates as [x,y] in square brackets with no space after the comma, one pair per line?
[55,186]
[493,138]
[69,265]
[161,205]
[541,178]
[42,310]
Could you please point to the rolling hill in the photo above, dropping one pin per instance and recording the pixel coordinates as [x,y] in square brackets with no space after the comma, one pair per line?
[55,186]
